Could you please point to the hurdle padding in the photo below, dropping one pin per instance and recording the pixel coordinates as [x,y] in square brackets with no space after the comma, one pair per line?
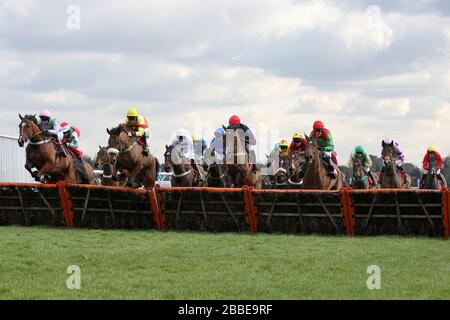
[30,204]
[110,207]
[299,211]
[398,212]
[205,209]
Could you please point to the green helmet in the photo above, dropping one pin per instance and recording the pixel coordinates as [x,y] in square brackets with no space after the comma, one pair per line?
[359,149]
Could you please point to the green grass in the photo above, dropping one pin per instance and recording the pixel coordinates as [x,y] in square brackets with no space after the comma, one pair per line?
[172,265]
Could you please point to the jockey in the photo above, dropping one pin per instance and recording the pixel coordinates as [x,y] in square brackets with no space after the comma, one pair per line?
[71,139]
[399,156]
[281,149]
[139,125]
[199,146]
[183,141]
[217,143]
[49,125]
[250,140]
[324,139]
[432,152]
[298,143]
[361,154]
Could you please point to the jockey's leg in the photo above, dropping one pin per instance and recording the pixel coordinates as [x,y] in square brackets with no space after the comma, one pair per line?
[326,155]
[145,145]
[369,174]
[252,159]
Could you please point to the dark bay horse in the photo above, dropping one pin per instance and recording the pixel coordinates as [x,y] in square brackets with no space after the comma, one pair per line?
[237,162]
[360,180]
[126,153]
[392,178]
[432,180]
[103,160]
[183,174]
[316,174]
[43,155]
[216,176]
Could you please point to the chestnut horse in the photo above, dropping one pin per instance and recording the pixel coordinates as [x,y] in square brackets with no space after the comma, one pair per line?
[43,155]
[183,174]
[316,174]
[126,154]
[237,162]
[296,162]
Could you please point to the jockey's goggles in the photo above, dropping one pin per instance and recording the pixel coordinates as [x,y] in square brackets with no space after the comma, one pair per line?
[297,140]
[132,118]
[44,118]
[283,147]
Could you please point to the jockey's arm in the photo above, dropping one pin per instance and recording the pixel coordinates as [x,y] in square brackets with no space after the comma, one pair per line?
[368,161]
[74,142]
[140,132]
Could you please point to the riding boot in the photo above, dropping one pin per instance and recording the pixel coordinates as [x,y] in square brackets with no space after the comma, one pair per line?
[330,167]
[252,155]
[144,146]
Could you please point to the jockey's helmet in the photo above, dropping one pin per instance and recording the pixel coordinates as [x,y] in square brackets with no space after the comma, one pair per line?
[431,148]
[132,112]
[234,120]
[297,135]
[318,125]
[65,127]
[359,149]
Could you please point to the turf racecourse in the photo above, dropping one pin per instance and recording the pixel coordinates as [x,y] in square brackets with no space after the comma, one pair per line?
[184,265]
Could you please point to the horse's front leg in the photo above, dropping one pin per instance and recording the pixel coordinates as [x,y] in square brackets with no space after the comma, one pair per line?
[40,176]
[29,168]
[132,176]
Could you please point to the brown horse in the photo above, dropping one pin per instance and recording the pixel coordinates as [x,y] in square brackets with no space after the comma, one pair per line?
[392,178]
[237,162]
[141,169]
[103,161]
[433,180]
[316,174]
[183,174]
[44,155]
[296,161]
[360,179]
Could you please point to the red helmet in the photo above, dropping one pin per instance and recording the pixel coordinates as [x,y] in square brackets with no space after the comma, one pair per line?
[318,125]
[234,120]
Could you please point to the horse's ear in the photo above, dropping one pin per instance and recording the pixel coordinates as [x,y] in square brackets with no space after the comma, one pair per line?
[392,143]
[100,147]
[109,131]
[224,128]
[167,147]
[20,116]
[383,144]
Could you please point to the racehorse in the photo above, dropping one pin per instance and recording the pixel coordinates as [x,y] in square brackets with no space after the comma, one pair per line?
[45,156]
[432,180]
[392,178]
[216,170]
[126,154]
[316,174]
[103,161]
[296,161]
[360,179]
[237,162]
[183,174]
[281,176]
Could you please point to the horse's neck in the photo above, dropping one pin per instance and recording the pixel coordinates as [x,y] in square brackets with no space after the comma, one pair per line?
[108,168]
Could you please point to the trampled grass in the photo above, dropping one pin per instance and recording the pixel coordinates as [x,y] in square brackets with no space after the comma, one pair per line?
[184,265]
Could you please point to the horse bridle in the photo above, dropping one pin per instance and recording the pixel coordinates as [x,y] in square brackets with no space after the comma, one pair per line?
[30,137]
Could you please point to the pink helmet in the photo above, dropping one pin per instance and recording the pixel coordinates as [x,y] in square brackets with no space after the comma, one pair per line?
[65,127]
[45,113]
[388,141]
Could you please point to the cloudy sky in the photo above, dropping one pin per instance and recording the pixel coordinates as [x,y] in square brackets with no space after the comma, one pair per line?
[368,69]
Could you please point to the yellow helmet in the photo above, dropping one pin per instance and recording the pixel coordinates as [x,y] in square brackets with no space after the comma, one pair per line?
[284,143]
[195,138]
[132,112]
[431,148]
[297,135]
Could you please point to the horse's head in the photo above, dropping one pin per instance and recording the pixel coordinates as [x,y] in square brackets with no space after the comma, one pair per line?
[432,165]
[234,140]
[120,137]
[168,163]
[388,154]
[27,129]
[311,150]
[102,157]
[358,168]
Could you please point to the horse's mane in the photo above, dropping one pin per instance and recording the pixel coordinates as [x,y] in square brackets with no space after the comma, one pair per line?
[116,130]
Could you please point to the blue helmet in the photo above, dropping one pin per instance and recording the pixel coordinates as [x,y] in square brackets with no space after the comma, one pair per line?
[219,132]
